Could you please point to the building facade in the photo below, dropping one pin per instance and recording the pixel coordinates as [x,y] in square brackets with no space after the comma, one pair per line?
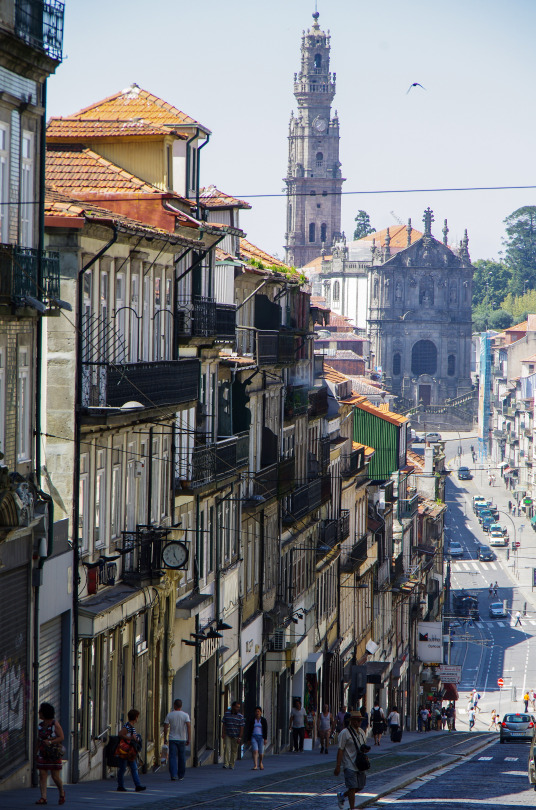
[314,180]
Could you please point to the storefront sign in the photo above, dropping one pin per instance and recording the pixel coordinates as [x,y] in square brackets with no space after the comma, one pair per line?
[450,673]
[251,641]
[430,642]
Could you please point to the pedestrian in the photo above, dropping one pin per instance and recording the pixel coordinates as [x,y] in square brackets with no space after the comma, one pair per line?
[443,718]
[437,717]
[365,720]
[425,716]
[232,731]
[297,725]
[351,740]
[533,699]
[324,727]
[257,733]
[518,619]
[449,712]
[49,752]
[493,724]
[472,715]
[131,736]
[476,698]
[177,730]
[510,506]
[490,590]
[339,720]
[526,698]
[378,722]
[393,720]
[496,589]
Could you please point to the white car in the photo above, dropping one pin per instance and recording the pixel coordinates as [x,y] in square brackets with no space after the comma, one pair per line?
[455,549]
[497,539]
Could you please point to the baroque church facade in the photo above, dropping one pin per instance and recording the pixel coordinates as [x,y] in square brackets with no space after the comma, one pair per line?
[314,180]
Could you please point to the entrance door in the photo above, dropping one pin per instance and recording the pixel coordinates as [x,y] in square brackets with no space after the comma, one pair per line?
[425,394]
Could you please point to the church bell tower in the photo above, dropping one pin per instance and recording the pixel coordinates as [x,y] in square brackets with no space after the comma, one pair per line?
[313,180]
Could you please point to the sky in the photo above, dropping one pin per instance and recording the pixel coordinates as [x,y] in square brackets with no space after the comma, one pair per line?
[230,65]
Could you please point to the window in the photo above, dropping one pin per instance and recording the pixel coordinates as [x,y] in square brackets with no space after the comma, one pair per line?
[323,232]
[99,533]
[312,234]
[396,364]
[319,160]
[336,290]
[451,365]
[104,337]
[27,190]
[83,504]
[169,161]
[134,316]
[132,469]
[210,555]
[115,528]
[164,494]
[146,325]
[120,318]
[318,61]
[24,405]
[424,358]
[201,541]
[156,484]
[4,183]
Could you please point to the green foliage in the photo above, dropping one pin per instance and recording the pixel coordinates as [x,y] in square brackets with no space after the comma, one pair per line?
[519,306]
[490,281]
[481,316]
[363,226]
[500,319]
[521,248]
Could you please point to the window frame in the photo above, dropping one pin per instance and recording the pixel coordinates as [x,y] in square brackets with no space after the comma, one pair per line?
[4,182]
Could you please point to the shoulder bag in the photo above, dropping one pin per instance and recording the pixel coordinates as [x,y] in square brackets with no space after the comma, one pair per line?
[362,762]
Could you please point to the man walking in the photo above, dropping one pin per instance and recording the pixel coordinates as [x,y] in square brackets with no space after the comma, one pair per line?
[177,729]
[232,731]
[496,589]
[472,716]
[351,739]
[518,619]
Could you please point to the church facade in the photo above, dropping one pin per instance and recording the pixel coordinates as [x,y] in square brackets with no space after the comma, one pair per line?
[314,179]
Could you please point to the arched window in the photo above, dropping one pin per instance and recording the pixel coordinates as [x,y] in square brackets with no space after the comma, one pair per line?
[396,364]
[323,232]
[319,159]
[424,358]
[312,234]
[376,289]
[318,61]
[336,290]
[451,365]
[289,226]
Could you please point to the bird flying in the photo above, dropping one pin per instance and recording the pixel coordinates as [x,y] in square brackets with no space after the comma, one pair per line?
[415,84]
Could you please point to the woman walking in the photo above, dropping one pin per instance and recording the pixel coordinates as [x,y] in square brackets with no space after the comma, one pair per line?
[393,721]
[493,725]
[324,728]
[129,733]
[257,733]
[49,752]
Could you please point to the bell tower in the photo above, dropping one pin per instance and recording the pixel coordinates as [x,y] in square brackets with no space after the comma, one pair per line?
[313,180]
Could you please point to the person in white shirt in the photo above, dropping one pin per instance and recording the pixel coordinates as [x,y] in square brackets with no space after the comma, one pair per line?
[351,739]
[393,721]
[177,728]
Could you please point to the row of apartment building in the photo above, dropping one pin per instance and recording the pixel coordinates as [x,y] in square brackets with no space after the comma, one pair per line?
[192,503]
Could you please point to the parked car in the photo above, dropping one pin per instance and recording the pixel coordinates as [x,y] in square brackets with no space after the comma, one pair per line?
[455,549]
[487,523]
[485,554]
[484,513]
[532,764]
[464,474]
[498,528]
[433,437]
[497,611]
[516,727]
[479,500]
[497,539]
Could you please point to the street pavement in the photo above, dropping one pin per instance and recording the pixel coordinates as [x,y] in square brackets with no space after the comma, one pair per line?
[304,781]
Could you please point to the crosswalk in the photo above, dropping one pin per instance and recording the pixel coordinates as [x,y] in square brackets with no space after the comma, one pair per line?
[475,568]
[495,623]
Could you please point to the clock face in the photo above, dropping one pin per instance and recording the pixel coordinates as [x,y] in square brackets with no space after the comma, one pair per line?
[320,124]
[175,554]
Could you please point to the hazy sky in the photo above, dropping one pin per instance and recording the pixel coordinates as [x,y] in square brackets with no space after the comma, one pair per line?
[230,65]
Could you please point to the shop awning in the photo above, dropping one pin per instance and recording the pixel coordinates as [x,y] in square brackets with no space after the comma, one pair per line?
[104,611]
[376,671]
[192,605]
[450,692]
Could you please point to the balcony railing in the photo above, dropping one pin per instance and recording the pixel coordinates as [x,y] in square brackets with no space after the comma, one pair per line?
[357,555]
[296,401]
[349,463]
[40,24]
[225,322]
[19,275]
[324,446]
[217,460]
[318,402]
[167,382]
[397,570]
[275,480]
[307,498]
[266,348]
[286,350]
[142,552]
[334,531]
[407,507]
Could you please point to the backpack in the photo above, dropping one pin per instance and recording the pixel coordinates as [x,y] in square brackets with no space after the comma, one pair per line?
[377,716]
[109,751]
[362,762]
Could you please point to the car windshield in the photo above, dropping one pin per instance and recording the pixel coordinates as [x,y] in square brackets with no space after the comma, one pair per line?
[496,527]
[455,545]
[464,469]
[516,718]
[496,606]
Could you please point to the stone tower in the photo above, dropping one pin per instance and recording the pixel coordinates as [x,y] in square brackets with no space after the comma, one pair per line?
[313,178]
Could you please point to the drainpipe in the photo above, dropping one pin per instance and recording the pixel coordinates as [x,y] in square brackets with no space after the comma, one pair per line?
[75,770]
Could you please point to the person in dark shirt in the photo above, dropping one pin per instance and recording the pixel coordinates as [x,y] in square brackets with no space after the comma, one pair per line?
[365,720]
[232,731]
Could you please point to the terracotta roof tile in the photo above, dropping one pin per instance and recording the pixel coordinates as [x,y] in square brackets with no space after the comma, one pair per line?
[212,197]
[395,418]
[135,103]
[398,235]
[416,460]
[334,376]
[250,251]
[78,171]
[61,129]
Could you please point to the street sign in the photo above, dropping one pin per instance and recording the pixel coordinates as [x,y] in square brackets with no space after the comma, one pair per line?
[500,682]
[527,501]
[450,673]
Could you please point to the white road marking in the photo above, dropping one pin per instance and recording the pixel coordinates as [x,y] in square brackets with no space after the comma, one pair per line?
[484,759]
[511,759]
[500,624]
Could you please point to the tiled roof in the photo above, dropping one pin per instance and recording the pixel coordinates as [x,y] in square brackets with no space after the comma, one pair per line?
[334,376]
[365,388]
[62,129]
[531,359]
[398,234]
[345,354]
[368,450]
[415,460]
[250,251]
[58,205]
[395,418]
[339,337]
[78,171]
[316,264]
[135,104]
[212,197]
[520,327]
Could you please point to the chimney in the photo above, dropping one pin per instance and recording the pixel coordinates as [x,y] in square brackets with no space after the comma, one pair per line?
[428,460]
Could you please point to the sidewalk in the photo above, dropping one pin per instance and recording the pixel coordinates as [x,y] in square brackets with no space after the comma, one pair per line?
[416,755]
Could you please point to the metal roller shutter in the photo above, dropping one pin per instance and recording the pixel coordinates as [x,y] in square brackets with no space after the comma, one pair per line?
[15,679]
[50,664]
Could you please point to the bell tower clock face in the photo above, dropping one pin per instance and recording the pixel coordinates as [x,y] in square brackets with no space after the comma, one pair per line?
[320,124]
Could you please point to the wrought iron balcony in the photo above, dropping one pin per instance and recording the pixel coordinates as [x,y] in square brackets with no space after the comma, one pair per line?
[350,463]
[307,498]
[217,460]
[285,350]
[357,555]
[267,348]
[142,553]
[225,322]
[166,382]
[333,532]
[318,401]
[196,317]
[324,446]
[275,480]
[296,401]
[407,507]
[40,24]
[19,275]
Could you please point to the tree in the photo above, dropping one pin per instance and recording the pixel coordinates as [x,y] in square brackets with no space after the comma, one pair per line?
[490,281]
[481,315]
[499,319]
[521,248]
[363,226]
[519,306]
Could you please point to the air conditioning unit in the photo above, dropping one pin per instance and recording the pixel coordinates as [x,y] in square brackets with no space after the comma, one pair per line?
[279,641]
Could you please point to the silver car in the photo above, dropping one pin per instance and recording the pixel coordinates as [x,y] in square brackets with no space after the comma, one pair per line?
[517,727]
